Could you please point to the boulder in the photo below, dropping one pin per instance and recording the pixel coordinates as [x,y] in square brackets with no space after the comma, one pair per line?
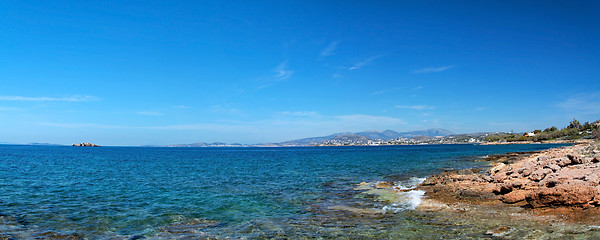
[515,196]
[509,186]
[575,159]
[563,161]
[568,193]
[497,168]
[539,174]
[552,167]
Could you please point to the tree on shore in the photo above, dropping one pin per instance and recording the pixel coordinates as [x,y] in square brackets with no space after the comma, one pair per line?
[574,130]
[574,124]
[596,133]
[587,126]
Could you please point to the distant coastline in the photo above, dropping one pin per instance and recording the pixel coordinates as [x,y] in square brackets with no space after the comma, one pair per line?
[572,133]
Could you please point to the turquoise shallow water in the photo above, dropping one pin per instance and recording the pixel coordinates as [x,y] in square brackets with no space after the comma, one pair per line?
[131,192]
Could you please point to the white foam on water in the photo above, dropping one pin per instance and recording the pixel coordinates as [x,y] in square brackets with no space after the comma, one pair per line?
[415,181]
[414,199]
[409,199]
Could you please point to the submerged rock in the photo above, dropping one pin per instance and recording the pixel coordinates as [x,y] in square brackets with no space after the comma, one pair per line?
[384,185]
[189,226]
[501,231]
[56,235]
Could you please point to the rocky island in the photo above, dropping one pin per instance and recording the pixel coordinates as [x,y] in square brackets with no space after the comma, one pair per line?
[85,145]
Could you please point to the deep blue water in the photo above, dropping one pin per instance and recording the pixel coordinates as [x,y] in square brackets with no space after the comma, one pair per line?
[234,192]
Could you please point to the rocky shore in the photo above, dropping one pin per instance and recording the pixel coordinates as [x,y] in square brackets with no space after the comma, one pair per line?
[561,181]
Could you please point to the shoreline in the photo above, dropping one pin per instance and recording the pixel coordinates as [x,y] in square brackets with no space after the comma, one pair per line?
[562,184]
[575,141]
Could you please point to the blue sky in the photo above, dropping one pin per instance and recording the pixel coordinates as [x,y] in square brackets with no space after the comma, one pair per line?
[163,72]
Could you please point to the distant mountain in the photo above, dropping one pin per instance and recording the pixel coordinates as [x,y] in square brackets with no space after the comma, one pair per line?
[433,132]
[373,135]
[309,141]
[389,134]
[351,138]
[385,135]
[359,137]
[44,144]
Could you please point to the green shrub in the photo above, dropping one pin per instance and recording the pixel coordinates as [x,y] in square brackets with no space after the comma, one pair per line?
[596,133]
[574,124]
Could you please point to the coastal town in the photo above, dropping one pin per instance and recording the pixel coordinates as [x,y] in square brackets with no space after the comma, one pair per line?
[356,140]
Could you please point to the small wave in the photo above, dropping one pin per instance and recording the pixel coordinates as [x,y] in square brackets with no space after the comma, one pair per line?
[415,181]
[409,199]
[409,184]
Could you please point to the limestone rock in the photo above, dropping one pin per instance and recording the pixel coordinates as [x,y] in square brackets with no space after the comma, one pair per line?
[563,161]
[570,193]
[515,196]
[567,176]
[575,159]
[539,174]
[384,185]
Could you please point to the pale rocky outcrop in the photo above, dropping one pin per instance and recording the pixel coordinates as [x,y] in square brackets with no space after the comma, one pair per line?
[568,176]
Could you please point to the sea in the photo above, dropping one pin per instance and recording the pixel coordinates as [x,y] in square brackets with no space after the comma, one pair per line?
[63,192]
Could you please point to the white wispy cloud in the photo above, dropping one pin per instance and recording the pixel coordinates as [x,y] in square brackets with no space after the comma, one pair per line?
[80,125]
[280,126]
[416,107]
[225,110]
[367,120]
[300,113]
[363,63]
[203,127]
[328,51]
[384,91]
[505,124]
[149,113]
[379,92]
[301,124]
[74,98]
[433,69]
[282,72]
[582,103]
[194,126]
